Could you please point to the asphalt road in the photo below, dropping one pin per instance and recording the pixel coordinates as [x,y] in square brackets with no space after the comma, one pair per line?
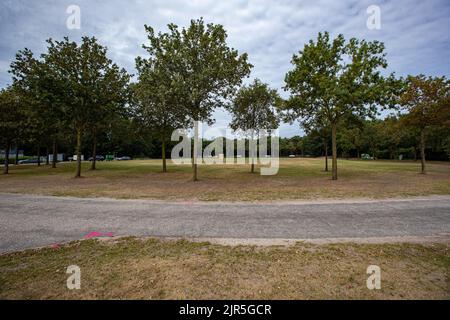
[28,221]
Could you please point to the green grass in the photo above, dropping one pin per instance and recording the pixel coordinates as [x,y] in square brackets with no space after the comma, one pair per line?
[134,268]
[296,179]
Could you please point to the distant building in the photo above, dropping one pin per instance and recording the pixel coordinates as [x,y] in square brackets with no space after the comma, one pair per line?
[12,153]
[59,157]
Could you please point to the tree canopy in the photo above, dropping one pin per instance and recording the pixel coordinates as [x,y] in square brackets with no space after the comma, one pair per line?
[92,86]
[253,109]
[204,70]
[333,78]
[13,117]
[426,101]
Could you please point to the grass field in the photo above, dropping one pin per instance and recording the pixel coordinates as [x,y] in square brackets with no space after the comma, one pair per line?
[296,179]
[130,268]
[133,268]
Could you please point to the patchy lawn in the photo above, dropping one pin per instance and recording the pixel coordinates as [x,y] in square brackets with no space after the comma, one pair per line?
[297,179]
[134,268]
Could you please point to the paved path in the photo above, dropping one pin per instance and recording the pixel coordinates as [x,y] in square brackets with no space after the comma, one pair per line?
[30,221]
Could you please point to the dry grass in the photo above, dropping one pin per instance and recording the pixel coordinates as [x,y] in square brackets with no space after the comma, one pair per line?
[297,179]
[131,268]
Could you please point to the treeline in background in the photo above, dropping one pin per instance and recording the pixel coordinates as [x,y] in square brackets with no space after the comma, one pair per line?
[74,99]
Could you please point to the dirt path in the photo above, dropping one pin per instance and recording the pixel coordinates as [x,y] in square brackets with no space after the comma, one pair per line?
[28,221]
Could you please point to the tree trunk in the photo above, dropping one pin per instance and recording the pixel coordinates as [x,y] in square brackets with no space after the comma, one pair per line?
[326,156]
[422,150]
[17,155]
[195,153]
[192,157]
[194,178]
[39,155]
[163,154]
[78,172]
[334,151]
[252,155]
[94,152]
[47,157]
[55,154]
[6,165]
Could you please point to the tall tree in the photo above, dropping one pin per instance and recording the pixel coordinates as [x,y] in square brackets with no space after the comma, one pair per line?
[89,82]
[426,101]
[111,97]
[253,109]
[205,70]
[12,117]
[35,79]
[334,78]
[159,106]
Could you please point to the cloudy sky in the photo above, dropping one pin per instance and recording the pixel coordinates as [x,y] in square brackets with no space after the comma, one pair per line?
[416,33]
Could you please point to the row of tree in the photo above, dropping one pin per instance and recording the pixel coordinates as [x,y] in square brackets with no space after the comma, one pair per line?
[389,138]
[75,92]
[70,89]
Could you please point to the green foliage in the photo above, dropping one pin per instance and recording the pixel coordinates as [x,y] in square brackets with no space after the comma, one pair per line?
[334,79]
[335,86]
[92,85]
[13,114]
[13,118]
[426,101]
[254,108]
[158,105]
[38,83]
[204,70]
[93,90]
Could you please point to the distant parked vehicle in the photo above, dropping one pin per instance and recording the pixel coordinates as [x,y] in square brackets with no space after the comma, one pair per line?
[292,156]
[366,156]
[74,158]
[97,158]
[123,158]
[31,160]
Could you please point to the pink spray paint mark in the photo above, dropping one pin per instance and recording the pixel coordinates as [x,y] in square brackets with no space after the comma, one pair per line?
[98,234]
[55,246]
[92,235]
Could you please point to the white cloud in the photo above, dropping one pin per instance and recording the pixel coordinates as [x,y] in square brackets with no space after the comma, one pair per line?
[415,32]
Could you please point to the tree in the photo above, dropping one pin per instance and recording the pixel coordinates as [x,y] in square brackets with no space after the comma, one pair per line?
[159,107]
[111,96]
[426,101]
[12,117]
[253,109]
[320,128]
[91,84]
[35,80]
[204,69]
[334,79]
